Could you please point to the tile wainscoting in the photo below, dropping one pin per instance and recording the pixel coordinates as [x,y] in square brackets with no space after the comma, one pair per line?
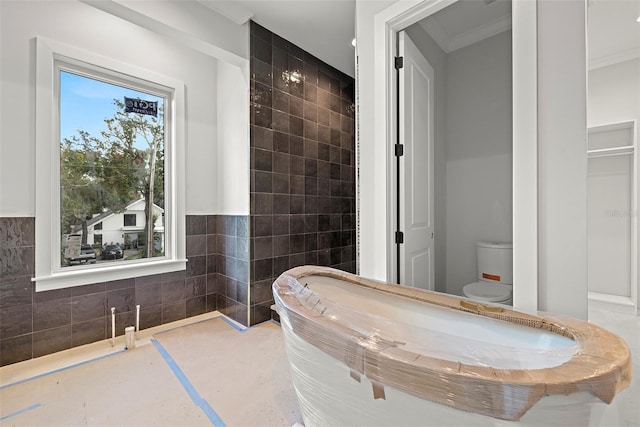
[34,324]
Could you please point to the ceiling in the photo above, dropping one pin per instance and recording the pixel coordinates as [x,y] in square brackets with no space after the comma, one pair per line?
[325,28]
[613,30]
[466,22]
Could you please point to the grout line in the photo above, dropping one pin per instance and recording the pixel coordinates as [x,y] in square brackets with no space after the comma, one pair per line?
[37,405]
[189,388]
[2,387]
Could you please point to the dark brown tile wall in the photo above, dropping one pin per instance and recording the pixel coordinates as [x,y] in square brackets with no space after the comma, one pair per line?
[302,165]
[33,323]
[232,266]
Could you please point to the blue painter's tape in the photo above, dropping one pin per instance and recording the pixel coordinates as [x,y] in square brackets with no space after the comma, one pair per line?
[229,322]
[61,369]
[234,324]
[189,388]
[22,411]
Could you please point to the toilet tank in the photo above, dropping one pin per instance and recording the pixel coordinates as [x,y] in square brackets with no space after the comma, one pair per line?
[495,262]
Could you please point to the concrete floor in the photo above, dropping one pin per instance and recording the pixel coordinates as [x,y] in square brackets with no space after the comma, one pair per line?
[200,371]
[624,411]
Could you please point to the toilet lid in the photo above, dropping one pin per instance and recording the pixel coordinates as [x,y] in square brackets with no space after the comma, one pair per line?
[491,292]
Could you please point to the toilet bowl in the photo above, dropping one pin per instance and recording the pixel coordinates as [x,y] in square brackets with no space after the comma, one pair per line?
[495,274]
[496,293]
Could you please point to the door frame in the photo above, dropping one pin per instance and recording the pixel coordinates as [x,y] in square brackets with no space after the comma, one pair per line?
[401,15]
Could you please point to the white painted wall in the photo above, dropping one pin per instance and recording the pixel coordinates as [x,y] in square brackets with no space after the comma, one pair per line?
[232,159]
[193,23]
[171,42]
[479,153]
[372,155]
[562,168]
[437,60]
[614,93]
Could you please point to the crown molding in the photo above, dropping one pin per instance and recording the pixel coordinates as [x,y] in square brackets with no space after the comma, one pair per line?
[451,43]
[482,32]
[615,58]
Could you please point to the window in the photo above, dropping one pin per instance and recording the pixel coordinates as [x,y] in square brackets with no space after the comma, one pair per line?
[129,220]
[109,139]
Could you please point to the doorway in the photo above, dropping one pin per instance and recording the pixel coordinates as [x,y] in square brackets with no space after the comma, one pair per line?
[379,27]
[613,160]
[454,165]
[612,227]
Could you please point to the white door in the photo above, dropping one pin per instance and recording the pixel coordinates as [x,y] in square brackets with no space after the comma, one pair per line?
[416,257]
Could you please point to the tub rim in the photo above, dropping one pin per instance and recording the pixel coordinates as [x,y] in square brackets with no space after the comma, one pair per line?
[601,365]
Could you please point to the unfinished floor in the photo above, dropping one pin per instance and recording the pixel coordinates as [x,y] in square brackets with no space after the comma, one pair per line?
[200,371]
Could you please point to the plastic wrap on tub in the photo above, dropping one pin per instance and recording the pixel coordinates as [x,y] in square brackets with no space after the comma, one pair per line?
[501,377]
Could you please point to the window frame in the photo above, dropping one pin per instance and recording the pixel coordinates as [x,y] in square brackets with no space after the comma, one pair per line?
[50,56]
[128,216]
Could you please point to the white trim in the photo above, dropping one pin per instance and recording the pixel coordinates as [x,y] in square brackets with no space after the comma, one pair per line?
[438,34]
[48,273]
[616,58]
[480,33]
[186,39]
[635,222]
[469,37]
[607,127]
[612,303]
[94,273]
[525,155]
[234,11]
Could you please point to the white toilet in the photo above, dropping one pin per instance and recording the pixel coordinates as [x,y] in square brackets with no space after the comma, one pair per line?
[495,274]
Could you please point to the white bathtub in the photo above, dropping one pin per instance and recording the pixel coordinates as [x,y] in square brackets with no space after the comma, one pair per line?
[368,353]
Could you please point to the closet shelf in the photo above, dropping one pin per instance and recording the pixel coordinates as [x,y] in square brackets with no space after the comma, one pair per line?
[615,151]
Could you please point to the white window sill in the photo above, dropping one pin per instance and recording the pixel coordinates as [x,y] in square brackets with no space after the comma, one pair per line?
[95,273]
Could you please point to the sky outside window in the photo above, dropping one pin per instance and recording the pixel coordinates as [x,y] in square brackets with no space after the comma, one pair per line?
[86,102]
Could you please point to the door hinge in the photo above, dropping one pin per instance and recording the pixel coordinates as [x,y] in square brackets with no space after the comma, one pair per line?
[399,62]
[399,149]
[399,237]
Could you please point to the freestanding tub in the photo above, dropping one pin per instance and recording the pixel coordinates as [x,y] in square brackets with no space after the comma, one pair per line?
[368,353]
